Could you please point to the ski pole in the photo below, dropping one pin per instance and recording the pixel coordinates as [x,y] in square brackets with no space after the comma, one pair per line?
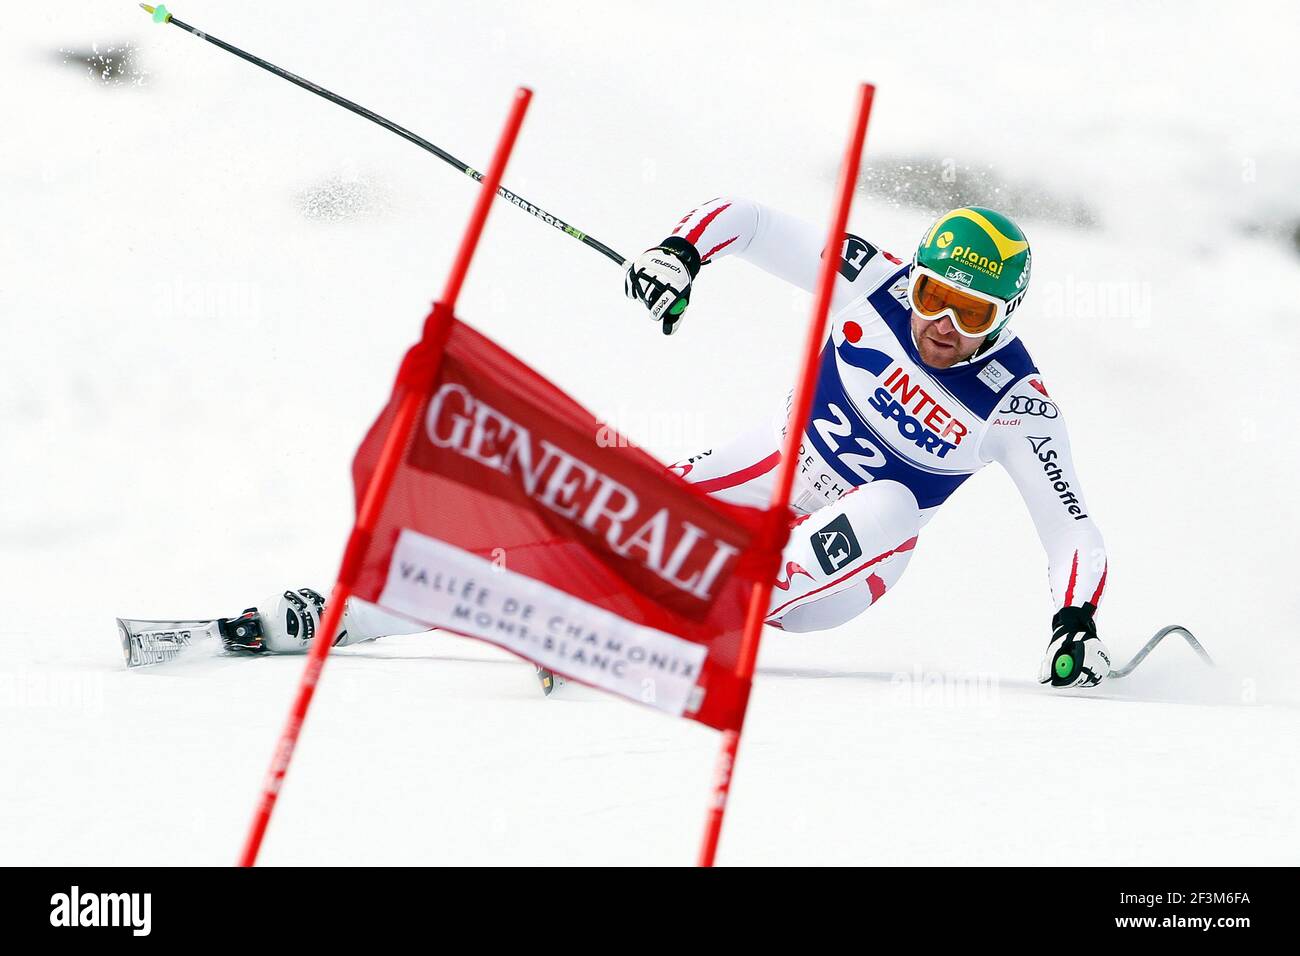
[161,14]
[1159,636]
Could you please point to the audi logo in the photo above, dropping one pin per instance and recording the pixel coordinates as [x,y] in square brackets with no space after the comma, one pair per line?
[1021,405]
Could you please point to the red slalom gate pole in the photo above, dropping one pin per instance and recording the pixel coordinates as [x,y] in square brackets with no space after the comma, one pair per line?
[778,507]
[377,491]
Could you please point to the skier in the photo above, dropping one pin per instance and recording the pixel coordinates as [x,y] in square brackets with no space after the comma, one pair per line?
[921,385]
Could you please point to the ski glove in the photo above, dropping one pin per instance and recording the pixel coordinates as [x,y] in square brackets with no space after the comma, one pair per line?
[661,279]
[1076,657]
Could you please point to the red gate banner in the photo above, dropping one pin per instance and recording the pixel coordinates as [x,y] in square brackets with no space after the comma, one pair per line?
[514,518]
[490,504]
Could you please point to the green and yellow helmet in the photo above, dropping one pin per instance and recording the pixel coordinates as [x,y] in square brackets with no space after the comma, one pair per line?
[978,250]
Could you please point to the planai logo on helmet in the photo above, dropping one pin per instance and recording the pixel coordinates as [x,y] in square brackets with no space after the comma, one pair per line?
[985,245]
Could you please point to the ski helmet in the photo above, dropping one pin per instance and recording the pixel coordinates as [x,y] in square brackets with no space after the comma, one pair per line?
[981,251]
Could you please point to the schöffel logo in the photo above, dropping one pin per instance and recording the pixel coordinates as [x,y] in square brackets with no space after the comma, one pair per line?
[127,910]
[1056,475]
[965,278]
[836,545]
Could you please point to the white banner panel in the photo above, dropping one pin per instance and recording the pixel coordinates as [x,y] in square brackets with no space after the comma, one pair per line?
[445,586]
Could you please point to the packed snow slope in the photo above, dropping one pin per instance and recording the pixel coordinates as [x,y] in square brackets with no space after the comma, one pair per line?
[207,278]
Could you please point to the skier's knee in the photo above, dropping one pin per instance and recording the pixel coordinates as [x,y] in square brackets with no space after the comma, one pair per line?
[888,506]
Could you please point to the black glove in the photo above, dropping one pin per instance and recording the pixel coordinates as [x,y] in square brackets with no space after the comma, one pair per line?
[661,279]
[1075,657]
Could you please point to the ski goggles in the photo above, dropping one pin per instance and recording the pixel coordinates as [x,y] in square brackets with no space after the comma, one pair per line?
[973,314]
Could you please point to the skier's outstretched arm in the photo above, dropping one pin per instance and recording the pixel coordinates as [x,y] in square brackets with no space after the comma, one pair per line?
[787,247]
[1029,439]
[776,242]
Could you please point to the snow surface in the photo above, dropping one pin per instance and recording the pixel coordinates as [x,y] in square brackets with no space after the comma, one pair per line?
[207,278]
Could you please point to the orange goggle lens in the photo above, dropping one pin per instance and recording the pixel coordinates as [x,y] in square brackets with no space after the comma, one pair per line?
[931,298]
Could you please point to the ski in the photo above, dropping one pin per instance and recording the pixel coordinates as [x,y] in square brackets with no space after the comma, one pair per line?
[1150,645]
[551,681]
[145,643]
